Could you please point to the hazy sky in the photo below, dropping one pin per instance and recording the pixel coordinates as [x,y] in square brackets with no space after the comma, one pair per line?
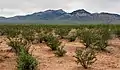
[21,7]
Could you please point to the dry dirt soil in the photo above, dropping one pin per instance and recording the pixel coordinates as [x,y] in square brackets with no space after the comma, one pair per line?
[48,61]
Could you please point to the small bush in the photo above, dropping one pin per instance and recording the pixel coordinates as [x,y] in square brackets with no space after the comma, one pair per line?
[72,38]
[12,33]
[16,44]
[72,35]
[117,33]
[41,37]
[60,51]
[85,57]
[62,32]
[52,42]
[29,36]
[88,38]
[102,43]
[95,39]
[26,61]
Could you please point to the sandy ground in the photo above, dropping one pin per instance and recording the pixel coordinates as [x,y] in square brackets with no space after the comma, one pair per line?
[7,57]
[48,61]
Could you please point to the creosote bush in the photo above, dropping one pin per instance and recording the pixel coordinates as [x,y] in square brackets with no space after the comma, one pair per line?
[85,57]
[60,52]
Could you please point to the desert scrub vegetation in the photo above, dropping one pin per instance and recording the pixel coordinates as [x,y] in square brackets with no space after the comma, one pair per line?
[25,60]
[92,36]
[95,39]
[71,38]
[104,36]
[52,42]
[60,52]
[41,37]
[72,35]
[117,33]
[62,32]
[88,38]
[16,43]
[29,35]
[85,57]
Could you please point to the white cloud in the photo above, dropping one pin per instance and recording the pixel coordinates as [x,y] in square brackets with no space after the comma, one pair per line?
[19,7]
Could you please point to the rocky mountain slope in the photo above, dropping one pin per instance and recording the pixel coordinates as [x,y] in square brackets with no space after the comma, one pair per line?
[78,15]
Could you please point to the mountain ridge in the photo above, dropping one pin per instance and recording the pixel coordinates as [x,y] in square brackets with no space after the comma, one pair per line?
[77,15]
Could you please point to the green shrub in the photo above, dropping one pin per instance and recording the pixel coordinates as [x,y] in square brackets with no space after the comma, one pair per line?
[117,32]
[60,51]
[72,38]
[85,57]
[41,37]
[95,39]
[62,32]
[26,61]
[72,35]
[29,36]
[16,44]
[11,32]
[104,36]
[101,45]
[88,38]
[52,42]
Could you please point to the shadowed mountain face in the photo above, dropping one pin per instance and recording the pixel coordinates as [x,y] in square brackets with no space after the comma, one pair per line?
[78,15]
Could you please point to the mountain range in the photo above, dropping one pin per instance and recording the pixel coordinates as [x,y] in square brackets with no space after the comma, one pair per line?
[80,15]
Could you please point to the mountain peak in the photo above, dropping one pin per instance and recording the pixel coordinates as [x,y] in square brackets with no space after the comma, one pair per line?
[60,10]
[80,11]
